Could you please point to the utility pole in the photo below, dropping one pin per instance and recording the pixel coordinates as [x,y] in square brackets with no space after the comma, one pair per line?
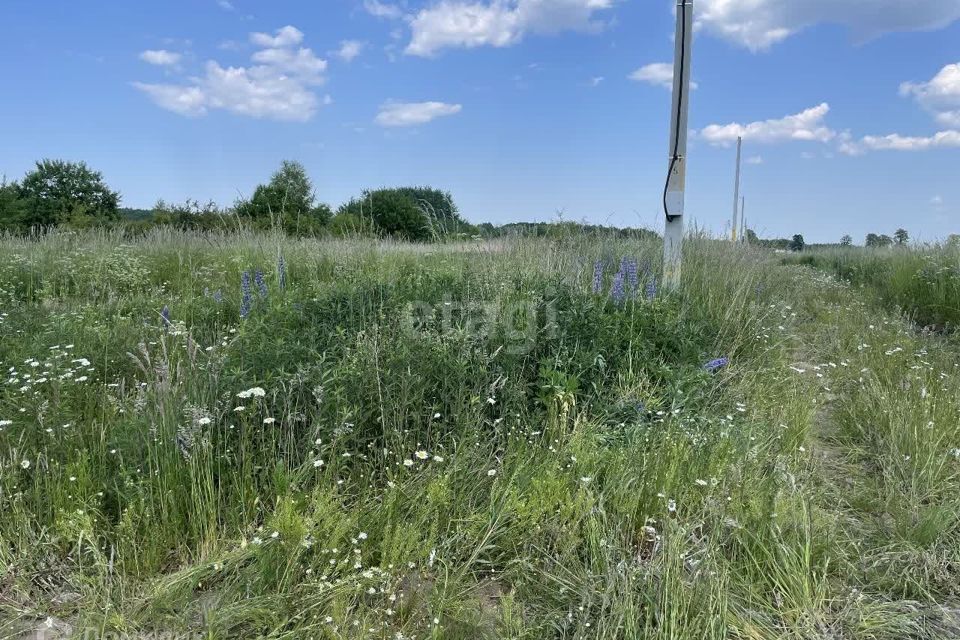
[736,193]
[675,187]
[743,219]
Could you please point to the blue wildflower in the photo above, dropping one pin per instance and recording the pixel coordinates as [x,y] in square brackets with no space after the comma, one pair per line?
[246,296]
[282,272]
[261,283]
[617,291]
[165,315]
[597,276]
[630,270]
[715,365]
[218,296]
[652,288]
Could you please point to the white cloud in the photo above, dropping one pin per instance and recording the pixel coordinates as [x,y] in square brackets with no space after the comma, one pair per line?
[805,126]
[349,49]
[226,5]
[287,36]
[659,74]
[407,114]
[278,86]
[497,23]
[755,160]
[759,24]
[187,101]
[301,62]
[896,142]
[940,95]
[382,9]
[656,73]
[595,81]
[160,57]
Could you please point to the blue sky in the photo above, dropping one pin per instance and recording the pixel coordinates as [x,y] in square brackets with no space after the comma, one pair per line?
[521,108]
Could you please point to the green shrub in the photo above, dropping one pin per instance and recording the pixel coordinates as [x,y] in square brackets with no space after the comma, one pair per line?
[348,224]
[394,213]
[287,202]
[191,215]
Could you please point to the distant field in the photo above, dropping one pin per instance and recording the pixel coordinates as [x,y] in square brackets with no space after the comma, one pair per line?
[246,436]
[923,283]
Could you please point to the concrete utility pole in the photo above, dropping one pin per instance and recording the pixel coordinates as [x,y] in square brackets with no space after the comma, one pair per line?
[743,219]
[736,193]
[675,187]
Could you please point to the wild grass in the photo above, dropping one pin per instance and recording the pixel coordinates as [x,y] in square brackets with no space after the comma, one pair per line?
[922,282]
[465,441]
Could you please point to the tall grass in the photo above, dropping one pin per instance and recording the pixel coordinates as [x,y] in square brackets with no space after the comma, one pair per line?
[462,441]
[922,282]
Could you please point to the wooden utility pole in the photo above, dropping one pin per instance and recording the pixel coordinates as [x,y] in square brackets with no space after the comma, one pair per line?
[675,187]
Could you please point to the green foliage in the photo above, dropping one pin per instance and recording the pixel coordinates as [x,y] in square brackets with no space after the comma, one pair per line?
[777,244]
[59,192]
[394,212]
[875,241]
[127,213]
[438,443]
[560,230]
[797,243]
[191,215]
[287,202]
[923,282]
[13,210]
[437,205]
[901,237]
[846,241]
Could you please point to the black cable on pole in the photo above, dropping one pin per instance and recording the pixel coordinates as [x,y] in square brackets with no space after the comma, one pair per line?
[674,156]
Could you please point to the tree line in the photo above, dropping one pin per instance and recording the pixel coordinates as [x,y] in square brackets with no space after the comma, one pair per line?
[58,193]
[901,237]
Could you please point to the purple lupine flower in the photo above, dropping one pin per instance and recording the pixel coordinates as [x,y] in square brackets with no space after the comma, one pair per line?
[617,290]
[652,288]
[282,272]
[597,276]
[629,268]
[218,296]
[261,283]
[165,315]
[246,296]
[715,365]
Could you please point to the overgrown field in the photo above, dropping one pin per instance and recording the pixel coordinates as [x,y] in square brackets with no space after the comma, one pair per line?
[253,436]
[923,283]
